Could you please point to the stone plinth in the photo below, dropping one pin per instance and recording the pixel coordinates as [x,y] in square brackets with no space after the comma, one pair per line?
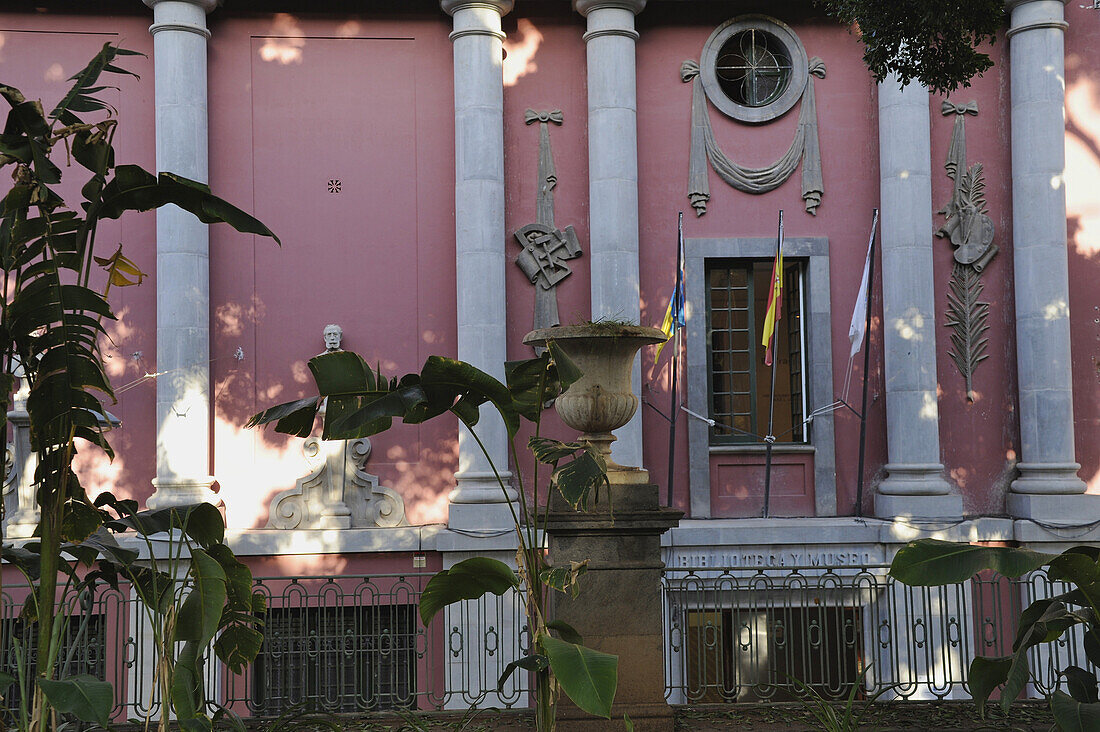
[619,607]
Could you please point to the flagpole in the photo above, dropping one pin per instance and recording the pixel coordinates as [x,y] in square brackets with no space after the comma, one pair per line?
[866,365]
[674,410]
[769,440]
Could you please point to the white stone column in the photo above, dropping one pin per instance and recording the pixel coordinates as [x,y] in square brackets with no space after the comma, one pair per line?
[915,484]
[478,502]
[183,260]
[613,180]
[1048,487]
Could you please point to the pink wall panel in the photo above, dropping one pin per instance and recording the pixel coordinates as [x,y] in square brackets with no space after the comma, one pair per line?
[340,134]
[737,485]
[38,54]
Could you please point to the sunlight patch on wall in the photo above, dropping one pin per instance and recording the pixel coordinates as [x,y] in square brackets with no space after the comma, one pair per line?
[287,49]
[520,52]
[1083,164]
[54,73]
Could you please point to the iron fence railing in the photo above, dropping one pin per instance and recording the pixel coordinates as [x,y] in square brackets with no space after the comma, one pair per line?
[335,644]
[749,634]
[355,643]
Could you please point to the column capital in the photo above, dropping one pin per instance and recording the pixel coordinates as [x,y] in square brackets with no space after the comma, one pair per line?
[206,5]
[584,7]
[503,7]
[1028,15]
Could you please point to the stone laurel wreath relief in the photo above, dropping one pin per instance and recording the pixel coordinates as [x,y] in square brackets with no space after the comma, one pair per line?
[545,248]
[970,230]
[754,69]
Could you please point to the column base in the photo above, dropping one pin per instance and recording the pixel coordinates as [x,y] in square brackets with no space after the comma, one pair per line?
[889,506]
[1068,510]
[914,479]
[22,525]
[182,492]
[479,503]
[1048,479]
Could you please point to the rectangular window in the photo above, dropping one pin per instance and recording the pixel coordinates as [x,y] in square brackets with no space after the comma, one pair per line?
[740,383]
[343,659]
[752,654]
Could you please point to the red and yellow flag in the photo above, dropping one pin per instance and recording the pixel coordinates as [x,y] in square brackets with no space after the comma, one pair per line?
[775,307]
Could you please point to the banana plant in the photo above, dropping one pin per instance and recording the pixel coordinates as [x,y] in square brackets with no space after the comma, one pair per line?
[930,562]
[52,317]
[194,594]
[362,402]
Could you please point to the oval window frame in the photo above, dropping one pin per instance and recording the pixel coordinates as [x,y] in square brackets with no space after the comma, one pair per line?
[800,73]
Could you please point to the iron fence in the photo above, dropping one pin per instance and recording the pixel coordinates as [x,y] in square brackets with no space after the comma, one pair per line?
[333,644]
[756,634]
[355,643]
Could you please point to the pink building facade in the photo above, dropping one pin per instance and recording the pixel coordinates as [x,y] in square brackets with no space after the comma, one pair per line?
[391,151]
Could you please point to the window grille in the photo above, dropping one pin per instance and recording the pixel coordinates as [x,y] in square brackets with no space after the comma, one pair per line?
[339,659]
[83,651]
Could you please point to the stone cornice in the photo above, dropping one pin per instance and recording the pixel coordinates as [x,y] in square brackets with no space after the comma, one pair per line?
[584,7]
[450,7]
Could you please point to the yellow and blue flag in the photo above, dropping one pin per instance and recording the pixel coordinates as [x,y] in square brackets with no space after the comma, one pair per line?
[674,313]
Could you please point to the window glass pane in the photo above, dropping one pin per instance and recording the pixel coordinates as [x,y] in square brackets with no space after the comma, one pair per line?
[741,383]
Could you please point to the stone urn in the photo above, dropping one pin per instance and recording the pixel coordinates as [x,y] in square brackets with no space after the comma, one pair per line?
[602,400]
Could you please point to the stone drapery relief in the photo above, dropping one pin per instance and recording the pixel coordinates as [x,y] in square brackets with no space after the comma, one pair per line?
[804,149]
[545,248]
[969,229]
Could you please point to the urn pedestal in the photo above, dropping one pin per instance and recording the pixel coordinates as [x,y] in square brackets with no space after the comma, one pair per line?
[619,608]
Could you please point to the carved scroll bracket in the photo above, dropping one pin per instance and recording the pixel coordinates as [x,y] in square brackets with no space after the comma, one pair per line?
[337,493]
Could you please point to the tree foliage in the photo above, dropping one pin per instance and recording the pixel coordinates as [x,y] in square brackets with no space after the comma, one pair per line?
[931,41]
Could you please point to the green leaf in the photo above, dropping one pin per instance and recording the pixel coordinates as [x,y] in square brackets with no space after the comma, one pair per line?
[1015,681]
[467,580]
[238,578]
[567,372]
[292,418]
[534,663]
[1073,716]
[985,675]
[134,189]
[237,646]
[78,97]
[567,632]
[531,384]
[341,372]
[186,690]
[587,676]
[550,451]
[930,562]
[201,611]
[581,477]
[85,697]
[564,579]
[1081,684]
[463,389]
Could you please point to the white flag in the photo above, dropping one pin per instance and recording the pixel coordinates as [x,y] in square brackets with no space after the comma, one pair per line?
[857,331]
